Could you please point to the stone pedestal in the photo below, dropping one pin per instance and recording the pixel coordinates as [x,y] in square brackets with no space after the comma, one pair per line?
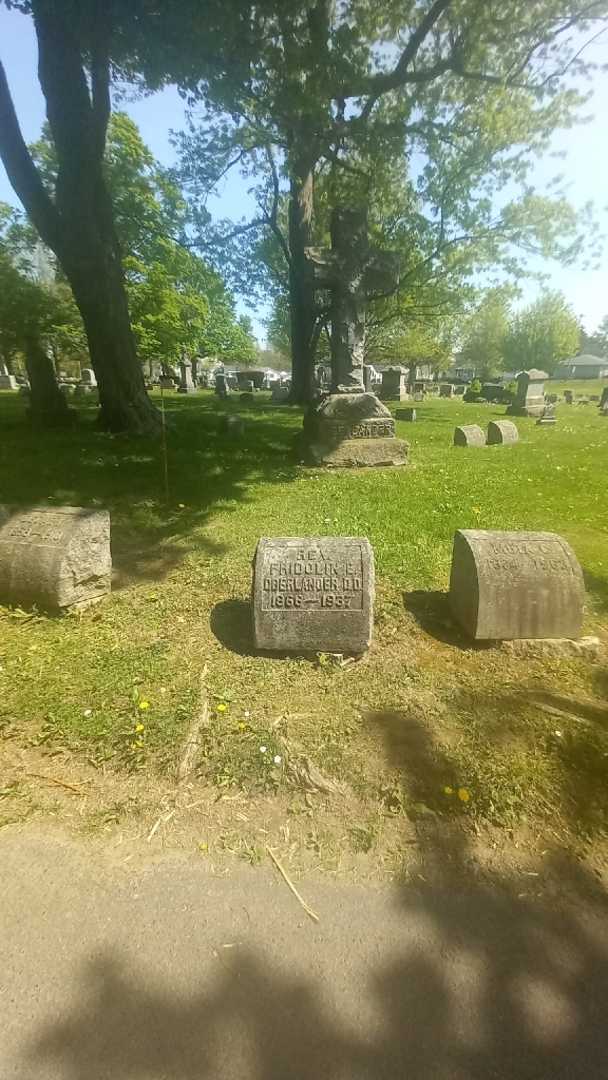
[186,385]
[352,430]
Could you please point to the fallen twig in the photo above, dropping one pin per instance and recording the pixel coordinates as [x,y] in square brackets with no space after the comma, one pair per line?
[157,824]
[192,744]
[59,783]
[282,871]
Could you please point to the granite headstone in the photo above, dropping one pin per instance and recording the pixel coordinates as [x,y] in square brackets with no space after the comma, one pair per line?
[469,435]
[313,594]
[507,585]
[502,432]
[57,558]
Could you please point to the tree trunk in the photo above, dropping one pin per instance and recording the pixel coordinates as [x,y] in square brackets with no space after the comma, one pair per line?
[301,287]
[99,292]
[47,404]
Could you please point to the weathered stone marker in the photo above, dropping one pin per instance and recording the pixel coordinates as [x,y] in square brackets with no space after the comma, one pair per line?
[547,416]
[502,432]
[530,399]
[350,430]
[507,585]
[57,558]
[313,594]
[394,385]
[406,414]
[469,435]
[186,384]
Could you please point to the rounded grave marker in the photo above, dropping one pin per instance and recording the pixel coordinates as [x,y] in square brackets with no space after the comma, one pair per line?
[508,585]
[231,425]
[502,432]
[469,435]
[56,558]
[313,594]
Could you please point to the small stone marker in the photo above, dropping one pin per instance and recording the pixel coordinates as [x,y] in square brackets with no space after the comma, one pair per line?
[57,558]
[231,425]
[87,377]
[280,395]
[568,397]
[406,414]
[507,585]
[548,416]
[446,390]
[502,432]
[313,594]
[469,435]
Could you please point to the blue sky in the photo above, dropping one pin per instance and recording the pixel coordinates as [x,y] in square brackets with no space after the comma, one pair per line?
[584,166]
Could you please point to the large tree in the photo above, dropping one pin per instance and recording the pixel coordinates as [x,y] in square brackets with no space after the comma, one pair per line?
[291,90]
[76,220]
[541,335]
[484,333]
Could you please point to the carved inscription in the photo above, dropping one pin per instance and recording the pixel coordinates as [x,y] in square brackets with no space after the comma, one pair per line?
[510,557]
[310,579]
[42,529]
[365,429]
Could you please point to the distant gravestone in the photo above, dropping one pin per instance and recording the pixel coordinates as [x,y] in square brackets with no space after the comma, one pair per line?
[247,385]
[469,435]
[530,397]
[508,585]
[7,382]
[394,387]
[56,558]
[406,414]
[313,594]
[568,397]
[604,398]
[502,432]
[231,425]
[548,416]
[87,377]
[186,384]
[446,390]
[280,395]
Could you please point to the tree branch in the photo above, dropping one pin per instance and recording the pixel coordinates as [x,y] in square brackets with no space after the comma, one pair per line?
[22,172]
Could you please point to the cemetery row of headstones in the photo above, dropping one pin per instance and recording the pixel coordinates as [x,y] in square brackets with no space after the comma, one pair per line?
[311,594]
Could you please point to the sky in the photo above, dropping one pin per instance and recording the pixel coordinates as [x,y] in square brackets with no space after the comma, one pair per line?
[584,165]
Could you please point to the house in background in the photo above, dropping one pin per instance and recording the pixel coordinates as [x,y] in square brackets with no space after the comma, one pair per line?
[585,366]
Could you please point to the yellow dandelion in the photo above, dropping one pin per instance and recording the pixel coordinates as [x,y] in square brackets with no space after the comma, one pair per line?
[222,707]
[448,790]
[139,727]
[463,794]
[143,705]
[242,727]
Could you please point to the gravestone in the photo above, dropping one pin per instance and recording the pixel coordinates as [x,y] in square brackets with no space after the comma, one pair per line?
[231,425]
[166,383]
[446,390]
[547,416]
[222,388]
[351,427]
[469,435]
[604,398]
[367,378]
[406,414]
[57,558]
[530,396]
[313,594]
[394,386]
[459,390]
[419,395]
[84,392]
[87,377]
[280,395]
[247,385]
[502,432]
[67,389]
[568,397]
[7,382]
[507,585]
[186,385]
[592,397]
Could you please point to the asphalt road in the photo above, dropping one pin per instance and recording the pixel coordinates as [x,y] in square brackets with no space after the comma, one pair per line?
[155,969]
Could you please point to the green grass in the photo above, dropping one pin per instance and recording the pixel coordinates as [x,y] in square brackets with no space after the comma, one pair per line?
[422,712]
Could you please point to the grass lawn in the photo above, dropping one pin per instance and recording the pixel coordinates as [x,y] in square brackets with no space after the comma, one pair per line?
[423,728]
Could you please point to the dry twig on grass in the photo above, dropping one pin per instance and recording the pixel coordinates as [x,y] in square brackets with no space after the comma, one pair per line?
[282,871]
[59,783]
[192,744]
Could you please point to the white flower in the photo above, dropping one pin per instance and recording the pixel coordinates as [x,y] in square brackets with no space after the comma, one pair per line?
[558,733]
[277,759]
[246,713]
[263,749]
[88,712]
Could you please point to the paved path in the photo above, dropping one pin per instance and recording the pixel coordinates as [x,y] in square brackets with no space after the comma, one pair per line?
[158,970]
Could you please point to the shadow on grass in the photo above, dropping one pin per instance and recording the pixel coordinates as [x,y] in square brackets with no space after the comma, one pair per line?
[151,534]
[431,610]
[231,622]
[598,587]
